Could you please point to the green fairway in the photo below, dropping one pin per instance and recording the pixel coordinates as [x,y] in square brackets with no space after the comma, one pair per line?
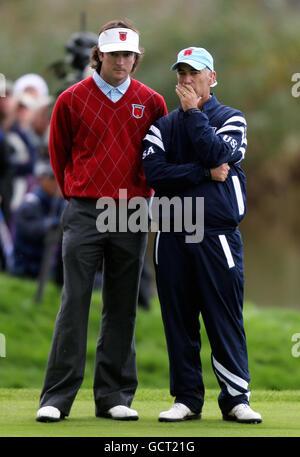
[28,329]
[280,411]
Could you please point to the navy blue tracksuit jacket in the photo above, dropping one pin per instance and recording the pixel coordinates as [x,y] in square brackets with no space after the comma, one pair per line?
[206,277]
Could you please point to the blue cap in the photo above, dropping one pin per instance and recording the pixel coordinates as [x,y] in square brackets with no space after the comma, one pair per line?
[197,58]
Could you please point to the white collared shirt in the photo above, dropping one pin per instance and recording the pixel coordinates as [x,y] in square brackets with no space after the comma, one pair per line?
[114,93]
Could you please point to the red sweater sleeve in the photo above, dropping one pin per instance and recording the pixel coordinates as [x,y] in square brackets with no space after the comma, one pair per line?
[60,139]
[165,109]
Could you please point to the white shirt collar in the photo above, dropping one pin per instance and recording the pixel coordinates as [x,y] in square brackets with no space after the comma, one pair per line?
[106,87]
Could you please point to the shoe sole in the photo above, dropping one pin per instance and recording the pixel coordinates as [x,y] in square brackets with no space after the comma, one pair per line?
[188,418]
[108,416]
[242,421]
[48,419]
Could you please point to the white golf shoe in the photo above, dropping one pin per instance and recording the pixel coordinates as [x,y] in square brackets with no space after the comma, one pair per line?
[49,414]
[178,413]
[244,414]
[120,412]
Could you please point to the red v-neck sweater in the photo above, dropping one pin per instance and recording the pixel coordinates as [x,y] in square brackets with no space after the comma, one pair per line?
[95,145]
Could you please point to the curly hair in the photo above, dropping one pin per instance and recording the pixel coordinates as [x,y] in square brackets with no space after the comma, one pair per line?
[94,58]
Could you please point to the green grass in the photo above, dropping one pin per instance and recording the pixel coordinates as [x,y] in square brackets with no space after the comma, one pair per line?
[280,411]
[28,329]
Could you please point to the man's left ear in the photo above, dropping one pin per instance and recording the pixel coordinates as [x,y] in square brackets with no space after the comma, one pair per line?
[212,79]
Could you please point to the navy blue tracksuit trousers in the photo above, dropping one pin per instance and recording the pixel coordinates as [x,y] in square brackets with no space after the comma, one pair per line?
[206,278]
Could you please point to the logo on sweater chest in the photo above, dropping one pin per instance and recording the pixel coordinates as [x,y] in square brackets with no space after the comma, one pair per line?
[138,111]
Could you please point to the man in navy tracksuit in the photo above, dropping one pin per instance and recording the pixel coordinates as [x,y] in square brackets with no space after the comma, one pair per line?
[196,151]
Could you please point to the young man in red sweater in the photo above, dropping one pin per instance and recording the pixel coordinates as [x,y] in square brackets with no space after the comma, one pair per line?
[97,127]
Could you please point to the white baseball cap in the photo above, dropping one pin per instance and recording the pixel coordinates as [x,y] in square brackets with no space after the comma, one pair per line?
[31,80]
[119,39]
[34,81]
[197,58]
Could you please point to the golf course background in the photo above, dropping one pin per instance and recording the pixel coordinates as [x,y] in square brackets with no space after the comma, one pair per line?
[256,47]
[29,327]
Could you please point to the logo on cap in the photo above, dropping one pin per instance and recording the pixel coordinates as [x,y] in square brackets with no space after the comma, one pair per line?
[138,111]
[123,36]
[188,52]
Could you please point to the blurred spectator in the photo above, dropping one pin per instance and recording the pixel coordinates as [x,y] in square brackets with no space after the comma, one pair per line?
[31,94]
[39,132]
[7,107]
[39,213]
[6,245]
[6,172]
[5,198]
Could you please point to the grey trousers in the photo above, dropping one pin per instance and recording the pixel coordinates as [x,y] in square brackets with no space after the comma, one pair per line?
[84,249]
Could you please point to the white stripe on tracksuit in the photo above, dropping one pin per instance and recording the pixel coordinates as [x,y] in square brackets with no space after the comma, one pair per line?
[229,126]
[156,247]
[223,373]
[155,140]
[156,131]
